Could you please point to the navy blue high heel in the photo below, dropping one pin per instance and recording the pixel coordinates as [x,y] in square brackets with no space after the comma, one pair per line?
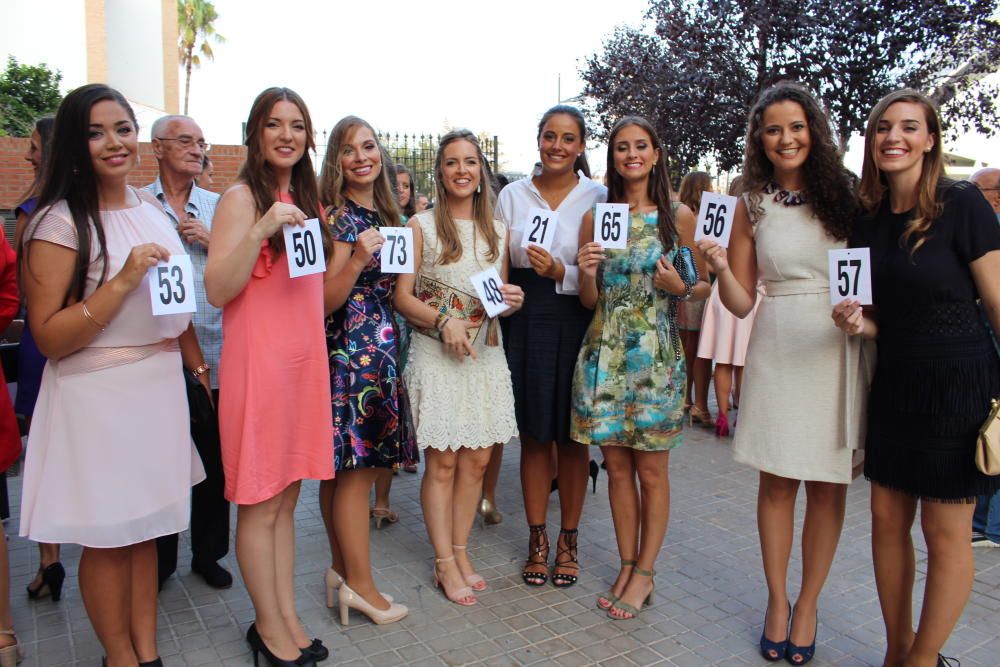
[774,651]
[800,655]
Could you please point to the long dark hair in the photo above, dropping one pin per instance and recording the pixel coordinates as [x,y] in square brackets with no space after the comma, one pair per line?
[874,186]
[829,185]
[259,176]
[68,174]
[658,185]
[580,164]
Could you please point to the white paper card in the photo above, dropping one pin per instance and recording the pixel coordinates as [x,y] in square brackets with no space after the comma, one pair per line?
[171,286]
[488,284]
[611,226]
[850,275]
[304,247]
[540,228]
[715,218]
[397,252]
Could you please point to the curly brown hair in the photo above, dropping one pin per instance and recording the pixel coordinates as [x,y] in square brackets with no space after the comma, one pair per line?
[830,187]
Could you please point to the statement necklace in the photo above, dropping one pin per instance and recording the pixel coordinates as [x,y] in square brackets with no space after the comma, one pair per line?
[785,197]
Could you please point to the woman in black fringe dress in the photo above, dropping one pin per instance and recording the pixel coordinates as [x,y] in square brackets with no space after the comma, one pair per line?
[935,250]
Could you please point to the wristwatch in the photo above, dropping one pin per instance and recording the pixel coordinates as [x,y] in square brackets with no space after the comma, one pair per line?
[201,370]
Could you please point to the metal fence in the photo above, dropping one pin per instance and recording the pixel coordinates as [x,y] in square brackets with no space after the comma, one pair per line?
[417,153]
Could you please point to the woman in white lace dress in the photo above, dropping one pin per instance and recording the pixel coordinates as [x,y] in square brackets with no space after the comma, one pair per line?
[459,386]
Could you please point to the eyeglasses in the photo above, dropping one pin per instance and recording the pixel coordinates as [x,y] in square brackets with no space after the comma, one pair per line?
[188,142]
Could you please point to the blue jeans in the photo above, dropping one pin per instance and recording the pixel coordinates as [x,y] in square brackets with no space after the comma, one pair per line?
[986,519]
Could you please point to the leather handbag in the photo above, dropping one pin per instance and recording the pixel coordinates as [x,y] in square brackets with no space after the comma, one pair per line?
[988,443]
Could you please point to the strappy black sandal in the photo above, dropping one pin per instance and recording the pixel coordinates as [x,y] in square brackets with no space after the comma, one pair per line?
[538,554]
[561,579]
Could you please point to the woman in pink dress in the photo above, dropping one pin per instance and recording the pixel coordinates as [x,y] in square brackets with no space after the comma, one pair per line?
[274,384]
[110,459]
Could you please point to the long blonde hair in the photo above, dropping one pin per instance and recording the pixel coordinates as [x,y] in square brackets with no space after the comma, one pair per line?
[483,202]
[331,177]
[874,185]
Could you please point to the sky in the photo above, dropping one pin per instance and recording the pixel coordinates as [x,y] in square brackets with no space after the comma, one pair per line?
[411,66]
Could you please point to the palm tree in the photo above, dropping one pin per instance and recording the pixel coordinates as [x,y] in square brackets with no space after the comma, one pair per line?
[194,27]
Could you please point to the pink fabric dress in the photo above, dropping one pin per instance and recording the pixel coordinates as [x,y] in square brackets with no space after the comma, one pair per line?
[110,460]
[725,337]
[274,383]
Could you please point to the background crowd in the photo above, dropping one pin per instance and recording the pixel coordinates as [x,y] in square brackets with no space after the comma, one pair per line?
[350,373]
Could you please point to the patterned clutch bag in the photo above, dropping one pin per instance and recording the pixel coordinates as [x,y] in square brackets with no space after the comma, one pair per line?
[452,302]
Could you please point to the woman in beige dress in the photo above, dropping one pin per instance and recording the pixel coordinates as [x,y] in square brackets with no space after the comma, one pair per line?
[801,391]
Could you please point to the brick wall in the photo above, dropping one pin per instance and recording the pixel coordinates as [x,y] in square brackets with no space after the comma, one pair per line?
[16,174]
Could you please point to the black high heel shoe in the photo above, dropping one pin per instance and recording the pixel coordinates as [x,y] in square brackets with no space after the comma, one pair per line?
[53,577]
[257,645]
[315,650]
[594,471]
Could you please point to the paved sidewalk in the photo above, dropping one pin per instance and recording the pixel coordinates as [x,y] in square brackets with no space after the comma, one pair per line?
[709,600]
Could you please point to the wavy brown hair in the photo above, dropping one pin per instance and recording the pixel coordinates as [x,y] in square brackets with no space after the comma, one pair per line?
[259,176]
[658,184]
[692,187]
[829,185]
[410,207]
[875,188]
[331,177]
[580,163]
[483,204]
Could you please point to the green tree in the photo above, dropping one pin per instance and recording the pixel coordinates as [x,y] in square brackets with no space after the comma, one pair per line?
[195,24]
[26,93]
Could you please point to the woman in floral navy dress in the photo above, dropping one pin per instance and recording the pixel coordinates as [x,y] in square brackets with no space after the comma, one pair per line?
[371,420]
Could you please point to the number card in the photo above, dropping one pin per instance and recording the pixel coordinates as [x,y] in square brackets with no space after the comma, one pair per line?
[540,228]
[715,218]
[304,247]
[850,275]
[171,286]
[397,253]
[488,284]
[611,226]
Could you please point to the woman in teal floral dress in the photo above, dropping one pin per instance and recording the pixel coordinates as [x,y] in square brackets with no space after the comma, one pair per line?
[630,382]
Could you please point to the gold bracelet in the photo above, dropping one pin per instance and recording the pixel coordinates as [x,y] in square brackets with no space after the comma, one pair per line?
[201,370]
[96,322]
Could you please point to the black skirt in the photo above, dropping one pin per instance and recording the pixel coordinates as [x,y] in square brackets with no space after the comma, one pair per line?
[929,397]
[542,342]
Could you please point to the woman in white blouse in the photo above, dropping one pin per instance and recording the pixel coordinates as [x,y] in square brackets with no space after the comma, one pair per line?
[543,339]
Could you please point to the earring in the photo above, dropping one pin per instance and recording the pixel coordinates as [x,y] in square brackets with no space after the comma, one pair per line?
[479,187]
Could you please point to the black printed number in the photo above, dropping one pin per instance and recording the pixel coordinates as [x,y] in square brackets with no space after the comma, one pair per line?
[611,226]
[538,224]
[170,279]
[304,244]
[715,220]
[397,243]
[845,285]
[492,291]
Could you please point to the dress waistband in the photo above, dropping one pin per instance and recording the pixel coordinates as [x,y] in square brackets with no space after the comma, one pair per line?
[90,359]
[798,286]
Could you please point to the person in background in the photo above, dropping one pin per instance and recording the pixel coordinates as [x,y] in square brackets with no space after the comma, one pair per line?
[421,202]
[10,450]
[459,386]
[542,340]
[935,251]
[371,424]
[112,403]
[805,385]
[986,518]
[30,362]
[274,381]
[180,150]
[629,382]
[206,179]
[699,369]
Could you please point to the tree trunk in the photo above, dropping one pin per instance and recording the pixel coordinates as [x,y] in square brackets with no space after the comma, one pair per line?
[187,78]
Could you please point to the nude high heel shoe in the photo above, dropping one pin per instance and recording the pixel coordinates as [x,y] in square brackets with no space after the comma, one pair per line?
[351,600]
[475,581]
[13,654]
[334,581]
